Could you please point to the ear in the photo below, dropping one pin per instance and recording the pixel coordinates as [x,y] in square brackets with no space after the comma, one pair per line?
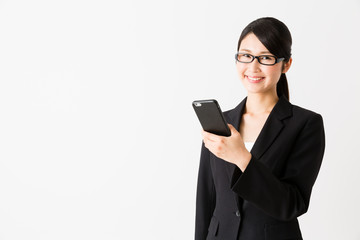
[286,66]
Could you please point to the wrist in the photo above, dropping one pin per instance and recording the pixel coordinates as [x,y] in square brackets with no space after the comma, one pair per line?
[244,160]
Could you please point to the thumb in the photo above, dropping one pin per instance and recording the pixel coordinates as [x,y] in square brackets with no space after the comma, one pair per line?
[232,129]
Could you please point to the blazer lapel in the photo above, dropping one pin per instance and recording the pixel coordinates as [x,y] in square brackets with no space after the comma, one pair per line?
[270,130]
[272,127]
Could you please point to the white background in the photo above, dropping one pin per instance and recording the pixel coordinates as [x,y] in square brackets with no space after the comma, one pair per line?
[98,139]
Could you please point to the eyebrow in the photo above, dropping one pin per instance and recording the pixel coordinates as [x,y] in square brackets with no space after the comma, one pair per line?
[262,52]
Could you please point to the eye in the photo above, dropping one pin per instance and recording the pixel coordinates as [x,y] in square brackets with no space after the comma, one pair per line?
[266,57]
[244,57]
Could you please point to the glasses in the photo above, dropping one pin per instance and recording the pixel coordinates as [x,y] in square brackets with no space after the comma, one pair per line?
[267,60]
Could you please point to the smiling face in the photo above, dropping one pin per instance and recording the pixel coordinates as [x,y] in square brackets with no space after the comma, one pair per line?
[257,78]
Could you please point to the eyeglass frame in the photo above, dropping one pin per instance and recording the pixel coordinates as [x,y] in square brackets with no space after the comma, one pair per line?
[277,60]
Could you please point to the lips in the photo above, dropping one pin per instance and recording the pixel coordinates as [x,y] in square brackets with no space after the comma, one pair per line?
[254,79]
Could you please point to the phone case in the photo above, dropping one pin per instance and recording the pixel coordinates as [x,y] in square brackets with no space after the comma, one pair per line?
[211,117]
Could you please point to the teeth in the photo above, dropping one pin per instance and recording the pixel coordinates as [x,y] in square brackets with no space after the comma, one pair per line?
[255,79]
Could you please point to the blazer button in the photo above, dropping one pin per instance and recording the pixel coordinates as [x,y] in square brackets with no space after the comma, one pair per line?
[237,213]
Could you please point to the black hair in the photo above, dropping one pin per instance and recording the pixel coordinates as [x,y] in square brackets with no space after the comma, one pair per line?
[276,37]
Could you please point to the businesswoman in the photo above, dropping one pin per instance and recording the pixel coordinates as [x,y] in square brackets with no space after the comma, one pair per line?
[254,184]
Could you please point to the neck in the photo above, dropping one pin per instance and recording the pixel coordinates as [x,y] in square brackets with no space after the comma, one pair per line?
[260,103]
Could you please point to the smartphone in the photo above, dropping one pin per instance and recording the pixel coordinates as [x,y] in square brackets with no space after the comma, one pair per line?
[211,118]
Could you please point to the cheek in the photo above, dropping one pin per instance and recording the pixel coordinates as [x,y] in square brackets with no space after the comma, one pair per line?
[274,73]
[240,69]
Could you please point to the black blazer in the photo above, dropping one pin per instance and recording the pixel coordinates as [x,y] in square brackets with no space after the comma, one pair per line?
[264,201]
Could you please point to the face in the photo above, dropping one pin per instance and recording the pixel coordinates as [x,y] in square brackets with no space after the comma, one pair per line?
[255,77]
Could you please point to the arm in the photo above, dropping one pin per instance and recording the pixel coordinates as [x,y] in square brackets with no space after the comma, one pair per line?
[286,197]
[205,198]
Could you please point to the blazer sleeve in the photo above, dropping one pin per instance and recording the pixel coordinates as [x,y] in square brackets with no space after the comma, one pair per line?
[288,196]
[205,197]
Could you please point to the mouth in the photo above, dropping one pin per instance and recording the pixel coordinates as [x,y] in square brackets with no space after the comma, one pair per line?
[254,79]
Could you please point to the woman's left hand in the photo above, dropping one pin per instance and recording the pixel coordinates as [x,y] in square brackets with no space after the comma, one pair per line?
[231,149]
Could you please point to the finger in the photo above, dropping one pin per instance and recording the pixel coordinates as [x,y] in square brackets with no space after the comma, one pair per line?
[234,132]
[205,139]
[210,145]
[211,137]
[232,129]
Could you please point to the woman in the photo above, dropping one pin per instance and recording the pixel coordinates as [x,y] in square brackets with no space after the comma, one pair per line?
[254,184]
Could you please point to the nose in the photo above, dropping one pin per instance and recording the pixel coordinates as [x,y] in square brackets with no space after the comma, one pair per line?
[254,66]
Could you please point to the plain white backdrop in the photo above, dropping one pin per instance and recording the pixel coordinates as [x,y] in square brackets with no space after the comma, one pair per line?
[98,139]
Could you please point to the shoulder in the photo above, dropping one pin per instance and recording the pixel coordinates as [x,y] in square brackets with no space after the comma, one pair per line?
[304,120]
[308,125]
[286,110]
[303,113]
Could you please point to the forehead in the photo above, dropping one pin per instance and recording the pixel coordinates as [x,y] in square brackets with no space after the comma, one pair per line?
[252,44]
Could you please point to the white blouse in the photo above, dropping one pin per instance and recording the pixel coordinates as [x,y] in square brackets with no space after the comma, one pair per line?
[249,145]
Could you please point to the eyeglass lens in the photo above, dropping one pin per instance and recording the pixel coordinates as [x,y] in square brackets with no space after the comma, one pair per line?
[263,59]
